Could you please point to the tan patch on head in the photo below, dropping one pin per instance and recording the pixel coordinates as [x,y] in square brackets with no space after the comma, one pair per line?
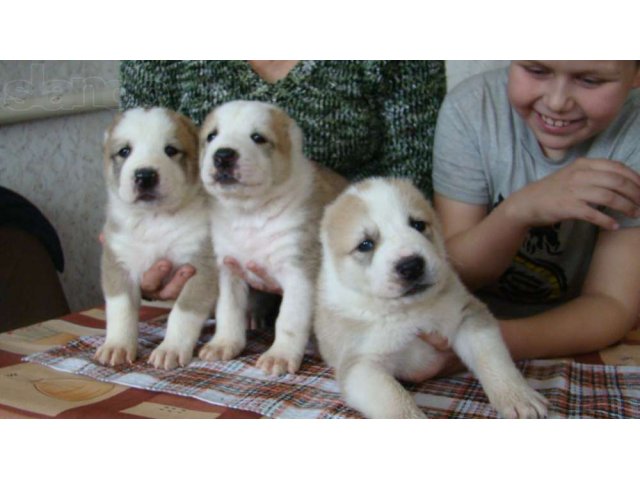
[280,124]
[206,128]
[342,223]
[187,137]
[415,200]
[109,148]
[107,144]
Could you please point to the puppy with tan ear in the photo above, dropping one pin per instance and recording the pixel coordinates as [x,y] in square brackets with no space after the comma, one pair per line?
[384,279]
[157,209]
[268,203]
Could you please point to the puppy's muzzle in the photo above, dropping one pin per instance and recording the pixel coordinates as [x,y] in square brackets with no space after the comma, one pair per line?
[146,180]
[225,160]
[411,268]
[411,271]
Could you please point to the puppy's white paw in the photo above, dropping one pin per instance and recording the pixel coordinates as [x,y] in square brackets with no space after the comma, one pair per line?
[414,414]
[220,350]
[114,354]
[169,357]
[279,361]
[521,402]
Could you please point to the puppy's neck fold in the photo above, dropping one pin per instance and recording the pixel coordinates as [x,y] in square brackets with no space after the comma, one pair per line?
[278,199]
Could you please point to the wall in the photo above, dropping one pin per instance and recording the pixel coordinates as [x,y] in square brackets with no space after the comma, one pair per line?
[56,162]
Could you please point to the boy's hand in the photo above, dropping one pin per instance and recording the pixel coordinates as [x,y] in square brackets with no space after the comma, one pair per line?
[157,284]
[576,192]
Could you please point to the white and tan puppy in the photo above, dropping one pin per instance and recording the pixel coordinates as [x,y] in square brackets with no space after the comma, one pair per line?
[157,209]
[269,201]
[384,279]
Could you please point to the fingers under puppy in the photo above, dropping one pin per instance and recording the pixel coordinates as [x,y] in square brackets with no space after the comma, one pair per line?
[153,278]
[437,341]
[233,265]
[269,284]
[174,286]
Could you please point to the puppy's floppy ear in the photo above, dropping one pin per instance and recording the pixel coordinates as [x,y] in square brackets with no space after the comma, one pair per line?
[341,222]
[109,130]
[106,144]
[188,136]
[188,132]
[288,133]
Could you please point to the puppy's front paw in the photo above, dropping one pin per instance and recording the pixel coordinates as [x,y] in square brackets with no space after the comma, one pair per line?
[114,354]
[521,402]
[279,361]
[169,357]
[414,414]
[220,350]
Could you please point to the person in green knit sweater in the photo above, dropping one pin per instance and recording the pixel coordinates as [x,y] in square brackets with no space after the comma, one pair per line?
[360,118]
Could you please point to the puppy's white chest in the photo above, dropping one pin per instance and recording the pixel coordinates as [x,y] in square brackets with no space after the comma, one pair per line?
[141,244]
[389,338]
[269,243]
[392,332]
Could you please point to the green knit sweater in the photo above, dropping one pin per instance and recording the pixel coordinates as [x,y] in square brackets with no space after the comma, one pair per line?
[361,118]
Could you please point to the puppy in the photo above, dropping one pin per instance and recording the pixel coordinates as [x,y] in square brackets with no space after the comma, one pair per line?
[384,279]
[156,209]
[268,204]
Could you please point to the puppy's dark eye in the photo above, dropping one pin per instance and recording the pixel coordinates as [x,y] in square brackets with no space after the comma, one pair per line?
[170,150]
[211,136]
[366,245]
[124,152]
[257,138]
[419,225]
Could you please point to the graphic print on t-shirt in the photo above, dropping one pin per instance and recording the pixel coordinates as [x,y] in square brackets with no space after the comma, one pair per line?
[534,276]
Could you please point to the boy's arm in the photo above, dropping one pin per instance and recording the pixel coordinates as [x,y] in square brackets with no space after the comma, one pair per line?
[606,309]
[480,246]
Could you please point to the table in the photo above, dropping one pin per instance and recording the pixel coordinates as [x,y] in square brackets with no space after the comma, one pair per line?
[31,390]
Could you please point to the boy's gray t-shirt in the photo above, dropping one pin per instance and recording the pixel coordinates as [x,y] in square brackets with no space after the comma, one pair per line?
[484,151]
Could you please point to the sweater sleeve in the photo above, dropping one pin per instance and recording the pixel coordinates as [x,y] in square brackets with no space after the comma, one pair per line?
[411,97]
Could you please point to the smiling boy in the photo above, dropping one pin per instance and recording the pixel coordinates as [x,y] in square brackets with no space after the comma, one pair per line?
[537,185]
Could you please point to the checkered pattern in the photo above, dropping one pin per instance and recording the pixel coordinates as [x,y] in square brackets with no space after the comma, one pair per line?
[575,390]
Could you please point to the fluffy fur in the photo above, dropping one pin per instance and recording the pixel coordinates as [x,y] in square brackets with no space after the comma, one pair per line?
[268,204]
[384,279]
[156,209]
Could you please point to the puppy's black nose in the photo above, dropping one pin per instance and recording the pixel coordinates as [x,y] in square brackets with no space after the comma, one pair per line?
[410,268]
[225,158]
[146,178]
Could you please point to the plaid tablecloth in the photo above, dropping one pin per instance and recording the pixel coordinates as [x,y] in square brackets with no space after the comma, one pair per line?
[602,385]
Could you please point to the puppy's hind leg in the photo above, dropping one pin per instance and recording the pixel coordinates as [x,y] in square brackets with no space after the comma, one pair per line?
[480,346]
[191,310]
[370,389]
[230,335]
[122,299]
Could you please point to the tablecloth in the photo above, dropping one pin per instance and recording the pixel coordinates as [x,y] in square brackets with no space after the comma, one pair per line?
[47,370]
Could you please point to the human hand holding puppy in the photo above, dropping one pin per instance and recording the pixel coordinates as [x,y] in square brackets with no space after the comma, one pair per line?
[159,284]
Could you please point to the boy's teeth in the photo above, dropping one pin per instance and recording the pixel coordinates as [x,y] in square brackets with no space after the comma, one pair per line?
[554,123]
